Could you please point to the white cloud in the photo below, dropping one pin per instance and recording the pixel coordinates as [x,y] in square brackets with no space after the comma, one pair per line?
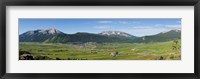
[123,22]
[102,27]
[172,26]
[120,22]
[141,27]
[158,25]
[178,21]
[136,22]
[104,22]
[175,26]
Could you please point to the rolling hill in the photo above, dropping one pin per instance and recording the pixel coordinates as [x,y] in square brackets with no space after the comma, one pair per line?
[161,37]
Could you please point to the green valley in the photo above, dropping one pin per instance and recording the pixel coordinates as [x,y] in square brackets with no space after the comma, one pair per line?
[170,50]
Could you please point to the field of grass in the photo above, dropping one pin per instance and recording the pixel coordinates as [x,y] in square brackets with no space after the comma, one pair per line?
[104,51]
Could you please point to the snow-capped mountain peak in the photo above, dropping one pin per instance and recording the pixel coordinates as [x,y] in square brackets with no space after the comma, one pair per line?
[116,34]
[42,31]
[53,31]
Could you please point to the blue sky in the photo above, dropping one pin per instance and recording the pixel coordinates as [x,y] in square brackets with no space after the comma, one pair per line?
[137,27]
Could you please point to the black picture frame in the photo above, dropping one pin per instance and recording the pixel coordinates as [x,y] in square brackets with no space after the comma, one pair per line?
[4,3]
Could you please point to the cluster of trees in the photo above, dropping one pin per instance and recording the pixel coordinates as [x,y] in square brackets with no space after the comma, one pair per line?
[42,58]
[72,59]
[26,55]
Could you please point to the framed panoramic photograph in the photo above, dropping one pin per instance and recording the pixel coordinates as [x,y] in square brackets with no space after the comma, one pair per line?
[74,39]
[100,39]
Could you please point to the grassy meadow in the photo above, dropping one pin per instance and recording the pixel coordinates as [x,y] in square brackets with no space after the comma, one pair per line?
[170,50]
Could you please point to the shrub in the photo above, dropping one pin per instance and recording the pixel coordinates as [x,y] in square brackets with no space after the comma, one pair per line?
[21,52]
[161,58]
[42,58]
[58,58]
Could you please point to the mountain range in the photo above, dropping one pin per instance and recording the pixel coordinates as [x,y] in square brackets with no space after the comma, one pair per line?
[55,36]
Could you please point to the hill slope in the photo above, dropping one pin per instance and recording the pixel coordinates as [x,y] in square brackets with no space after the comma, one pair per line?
[161,37]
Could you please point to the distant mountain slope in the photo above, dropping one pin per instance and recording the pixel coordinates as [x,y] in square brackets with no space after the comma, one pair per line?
[82,37]
[56,36]
[161,37]
[39,35]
